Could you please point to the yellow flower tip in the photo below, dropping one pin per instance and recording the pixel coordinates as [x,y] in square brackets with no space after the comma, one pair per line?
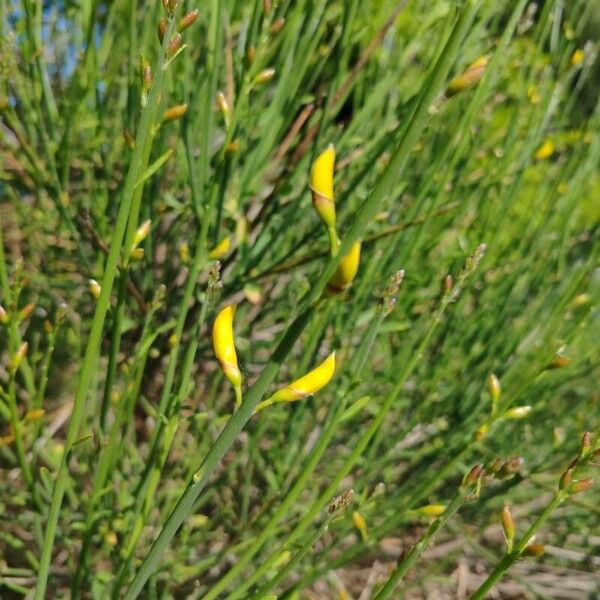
[224,345]
[577,57]
[359,522]
[308,384]
[321,185]
[468,78]
[346,271]
[546,150]
[432,510]
[220,250]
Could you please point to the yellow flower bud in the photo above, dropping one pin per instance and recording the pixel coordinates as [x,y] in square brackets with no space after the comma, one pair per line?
[518,412]
[577,57]
[468,78]
[224,345]
[359,522]
[346,271]
[142,232]
[508,527]
[174,113]
[3,316]
[220,249]
[94,288]
[309,384]
[184,253]
[264,76]
[546,150]
[321,186]
[432,510]
[493,385]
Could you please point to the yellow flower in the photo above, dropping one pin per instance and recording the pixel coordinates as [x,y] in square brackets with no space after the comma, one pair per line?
[468,78]
[577,57]
[306,385]
[224,345]
[432,510]
[546,150]
[220,249]
[346,271]
[359,522]
[321,185]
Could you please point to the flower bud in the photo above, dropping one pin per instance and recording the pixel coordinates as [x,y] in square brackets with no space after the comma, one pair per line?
[223,107]
[468,78]
[224,345]
[535,550]
[432,510]
[220,250]
[26,311]
[494,388]
[565,479]
[346,271]
[580,486]
[251,55]
[161,30]
[546,150]
[136,254]
[560,362]
[128,137]
[508,527]
[174,45]
[481,432]
[189,19]
[518,412]
[142,232]
[473,476]
[577,57]
[267,7]
[359,522]
[586,445]
[3,316]
[94,288]
[175,112]
[17,357]
[264,76]
[321,186]
[308,384]
[277,26]
[184,253]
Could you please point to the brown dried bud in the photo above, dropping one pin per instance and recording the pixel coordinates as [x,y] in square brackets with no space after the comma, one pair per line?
[277,25]
[189,19]
[340,502]
[565,479]
[559,362]
[169,7]
[580,486]
[534,550]
[267,6]
[447,284]
[174,113]
[161,30]
[174,45]
[128,137]
[471,478]
[586,445]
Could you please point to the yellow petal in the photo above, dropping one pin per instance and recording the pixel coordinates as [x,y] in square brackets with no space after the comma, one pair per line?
[224,345]
[546,150]
[346,271]
[220,249]
[321,177]
[308,384]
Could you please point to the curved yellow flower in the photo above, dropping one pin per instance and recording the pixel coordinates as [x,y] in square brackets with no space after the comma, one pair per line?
[321,185]
[225,347]
[346,271]
[546,150]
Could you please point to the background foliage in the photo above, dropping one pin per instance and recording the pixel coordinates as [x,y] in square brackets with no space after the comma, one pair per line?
[116,411]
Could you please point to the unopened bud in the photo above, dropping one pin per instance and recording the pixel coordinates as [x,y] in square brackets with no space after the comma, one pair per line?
[565,479]
[220,250]
[136,254]
[264,76]
[175,112]
[472,477]
[233,146]
[3,316]
[174,45]
[359,522]
[142,232]
[169,7]
[432,510]
[481,432]
[189,19]
[468,78]
[251,55]
[17,357]
[172,341]
[534,550]
[511,467]
[518,412]
[580,486]
[146,74]
[559,362]
[508,527]
[495,465]
[184,253]
[267,7]
[26,311]
[161,30]
[494,388]
[128,137]
[277,25]
[447,284]
[577,57]
[282,559]
[586,445]
[94,288]
[223,107]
